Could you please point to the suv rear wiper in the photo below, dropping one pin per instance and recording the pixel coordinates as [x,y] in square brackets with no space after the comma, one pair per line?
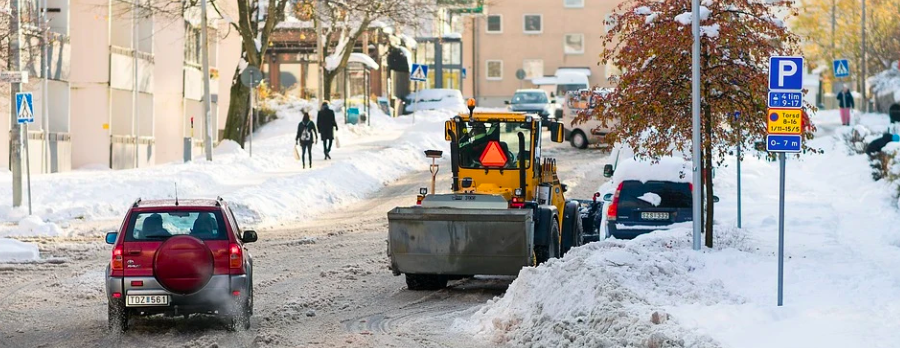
[157,237]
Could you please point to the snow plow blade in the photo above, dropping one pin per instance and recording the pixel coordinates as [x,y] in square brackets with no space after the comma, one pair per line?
[454,241]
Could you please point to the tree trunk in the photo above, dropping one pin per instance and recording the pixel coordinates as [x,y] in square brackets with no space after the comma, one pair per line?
[327,81]
[238,108]
[708,179]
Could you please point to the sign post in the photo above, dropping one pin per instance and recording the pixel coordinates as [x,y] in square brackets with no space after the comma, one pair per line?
[251,77]
[25,116]
[737,119]
[419,74]
[784,126]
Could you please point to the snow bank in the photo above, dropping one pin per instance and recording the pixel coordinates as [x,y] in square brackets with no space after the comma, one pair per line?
[602,295]
[13,250]
[33,226]
[267,189]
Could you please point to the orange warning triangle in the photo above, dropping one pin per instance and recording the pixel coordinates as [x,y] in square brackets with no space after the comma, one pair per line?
[493,155]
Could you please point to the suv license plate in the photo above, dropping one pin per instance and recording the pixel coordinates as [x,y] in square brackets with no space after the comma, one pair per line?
[146,300]
[654,216]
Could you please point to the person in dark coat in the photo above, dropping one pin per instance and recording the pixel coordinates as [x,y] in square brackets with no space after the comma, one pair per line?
[306,136]
[327,127]
[845,102]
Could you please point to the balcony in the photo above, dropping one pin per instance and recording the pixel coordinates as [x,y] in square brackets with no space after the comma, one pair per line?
[121,69]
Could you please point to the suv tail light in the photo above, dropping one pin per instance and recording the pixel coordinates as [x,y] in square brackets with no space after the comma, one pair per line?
[117,263]
[614,206]
[236,257]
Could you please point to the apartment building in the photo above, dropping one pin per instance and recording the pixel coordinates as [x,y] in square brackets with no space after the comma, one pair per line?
[537,36]
[95,118]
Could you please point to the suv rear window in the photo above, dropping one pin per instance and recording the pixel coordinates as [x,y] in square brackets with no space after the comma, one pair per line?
[655,194]
[150,226]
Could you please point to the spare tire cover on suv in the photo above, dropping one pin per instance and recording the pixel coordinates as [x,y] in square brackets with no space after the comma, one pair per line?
[183,264]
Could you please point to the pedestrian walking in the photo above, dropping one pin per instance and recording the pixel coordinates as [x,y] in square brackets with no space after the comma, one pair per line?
[845,102]
[306,136]
[327,127]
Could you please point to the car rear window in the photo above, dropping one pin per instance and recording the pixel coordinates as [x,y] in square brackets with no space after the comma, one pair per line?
[150,226]
[655,194]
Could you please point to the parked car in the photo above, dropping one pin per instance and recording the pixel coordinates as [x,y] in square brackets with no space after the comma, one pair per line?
[593,131]
[180,258]
[434,99]
[643,196]
[534,101]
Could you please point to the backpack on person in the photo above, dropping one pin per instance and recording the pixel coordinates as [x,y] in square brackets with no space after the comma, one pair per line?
[306,134]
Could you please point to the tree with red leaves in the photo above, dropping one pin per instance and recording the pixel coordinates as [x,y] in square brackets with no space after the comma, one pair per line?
[650,41]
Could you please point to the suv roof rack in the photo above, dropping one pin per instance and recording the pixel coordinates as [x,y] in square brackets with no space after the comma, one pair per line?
[219,201]
[136,202]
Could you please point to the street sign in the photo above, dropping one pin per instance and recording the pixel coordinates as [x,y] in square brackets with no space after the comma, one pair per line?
[463,72]
[251,76]
[520,74]
[419,72]
[841,67]
[737,115]
[786,100]
[24,108]
[14,76]
[784,121]
[786,73]
[783,143]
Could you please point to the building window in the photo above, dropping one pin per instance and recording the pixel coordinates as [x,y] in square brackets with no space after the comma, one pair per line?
[494,24]
[495,70]
[192,43]
[573,3]
[533,24]
[533,68]
[574,44]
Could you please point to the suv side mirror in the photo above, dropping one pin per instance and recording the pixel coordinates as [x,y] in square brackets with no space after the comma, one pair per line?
[249,237]
[715,199]
[111,237]
[608,197]
[556,132]
[608,171]
[565,188]
[552,101]
[506,102]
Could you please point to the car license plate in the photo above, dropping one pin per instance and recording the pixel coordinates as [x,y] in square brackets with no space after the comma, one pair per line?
[146,300]
[654,216]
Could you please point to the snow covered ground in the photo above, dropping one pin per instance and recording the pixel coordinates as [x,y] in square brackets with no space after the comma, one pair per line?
[842,270]
[267,189]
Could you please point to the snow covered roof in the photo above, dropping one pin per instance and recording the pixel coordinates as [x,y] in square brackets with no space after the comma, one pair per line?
[546,80]
[452,36]
[408,55]
[674,169]
[364,59]
[408,41]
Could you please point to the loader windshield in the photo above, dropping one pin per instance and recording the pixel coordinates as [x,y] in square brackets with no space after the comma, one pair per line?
[493,145]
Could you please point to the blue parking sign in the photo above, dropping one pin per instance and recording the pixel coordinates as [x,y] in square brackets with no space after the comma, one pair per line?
[786,73]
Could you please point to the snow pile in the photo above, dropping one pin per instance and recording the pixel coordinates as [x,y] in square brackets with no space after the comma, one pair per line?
[13,250]
[687,17]
[603,295]
[434,99]
[672,169]
[651,198]
[267,189]
[33,226]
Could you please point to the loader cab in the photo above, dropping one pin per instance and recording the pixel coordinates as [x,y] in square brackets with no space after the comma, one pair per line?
[497,152]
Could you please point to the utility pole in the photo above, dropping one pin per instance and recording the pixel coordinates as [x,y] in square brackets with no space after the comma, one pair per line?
[207,103]
[134,95]
[695,116]
[864,72]
[15,130]
[45,93]
[320,52]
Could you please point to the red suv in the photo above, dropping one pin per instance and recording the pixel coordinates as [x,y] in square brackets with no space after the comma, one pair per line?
[179,258]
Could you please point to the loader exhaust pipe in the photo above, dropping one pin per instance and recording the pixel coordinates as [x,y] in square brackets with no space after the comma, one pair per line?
[521,162]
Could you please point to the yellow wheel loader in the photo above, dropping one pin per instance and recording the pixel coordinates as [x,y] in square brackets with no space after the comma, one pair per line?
[507,208]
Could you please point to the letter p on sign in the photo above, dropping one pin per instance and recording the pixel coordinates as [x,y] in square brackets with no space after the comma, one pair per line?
[786,73]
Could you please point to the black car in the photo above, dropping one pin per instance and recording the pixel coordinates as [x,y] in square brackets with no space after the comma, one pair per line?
[643,207]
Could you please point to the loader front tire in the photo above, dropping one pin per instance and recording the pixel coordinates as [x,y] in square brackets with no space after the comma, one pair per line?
[544,253]
[426,281]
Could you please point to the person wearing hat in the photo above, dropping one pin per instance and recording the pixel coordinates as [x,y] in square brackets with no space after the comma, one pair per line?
[845,102]
[327,127]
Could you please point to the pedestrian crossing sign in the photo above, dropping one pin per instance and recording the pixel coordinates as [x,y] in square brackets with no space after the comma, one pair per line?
[24,108]
[419,72]
[841,68]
